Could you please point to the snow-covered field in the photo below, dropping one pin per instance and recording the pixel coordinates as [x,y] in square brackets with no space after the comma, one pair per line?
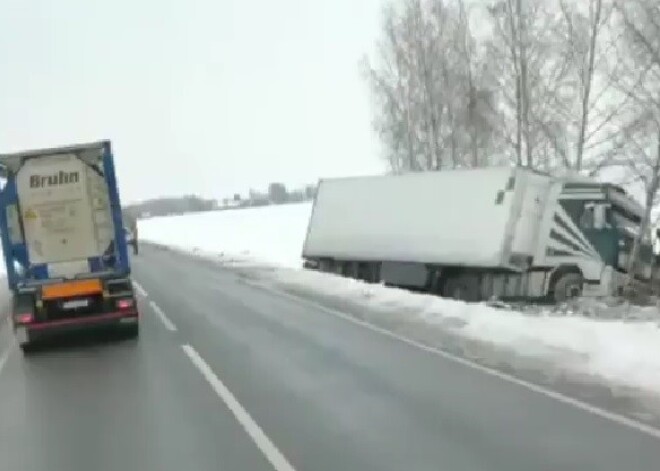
[618,350]
[273,234]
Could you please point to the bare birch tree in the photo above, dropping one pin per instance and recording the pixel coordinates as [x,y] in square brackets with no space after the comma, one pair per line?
[540,86]
[528,73]
[555,64]
[434,105]
[589,104]
[639,21]
[392,94]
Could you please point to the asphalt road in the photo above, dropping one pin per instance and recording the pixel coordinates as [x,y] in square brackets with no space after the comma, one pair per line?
[227,376]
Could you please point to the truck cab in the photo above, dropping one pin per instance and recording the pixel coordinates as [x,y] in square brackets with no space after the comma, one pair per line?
[610,220]
[63,241]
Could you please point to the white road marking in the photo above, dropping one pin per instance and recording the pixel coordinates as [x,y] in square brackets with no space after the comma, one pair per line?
[5,355]
[169,325]
[270,451]
[140,289]
[6,323]
[611,416]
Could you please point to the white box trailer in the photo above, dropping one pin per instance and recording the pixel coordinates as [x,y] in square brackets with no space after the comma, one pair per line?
[475,234]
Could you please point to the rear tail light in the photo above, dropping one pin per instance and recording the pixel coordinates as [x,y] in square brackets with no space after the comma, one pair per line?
[24,318]
[125,304]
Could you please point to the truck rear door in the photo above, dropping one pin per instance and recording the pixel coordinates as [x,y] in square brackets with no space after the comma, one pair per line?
[65,213]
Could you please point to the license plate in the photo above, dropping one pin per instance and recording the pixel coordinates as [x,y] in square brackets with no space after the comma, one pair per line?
[75,304]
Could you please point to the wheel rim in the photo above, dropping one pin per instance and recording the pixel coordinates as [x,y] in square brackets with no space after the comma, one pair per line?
[573,291]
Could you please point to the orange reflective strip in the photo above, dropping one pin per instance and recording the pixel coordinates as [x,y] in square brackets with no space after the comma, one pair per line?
[70,289]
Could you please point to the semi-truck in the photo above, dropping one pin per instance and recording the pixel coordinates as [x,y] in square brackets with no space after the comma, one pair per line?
[480,234]
[64,242]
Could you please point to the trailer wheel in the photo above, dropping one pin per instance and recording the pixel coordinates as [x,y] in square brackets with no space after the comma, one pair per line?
[131,331]
[462,288]
[27,347]
[568,286]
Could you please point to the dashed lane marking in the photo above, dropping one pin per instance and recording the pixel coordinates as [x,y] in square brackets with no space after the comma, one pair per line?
[169,325]
[274,456]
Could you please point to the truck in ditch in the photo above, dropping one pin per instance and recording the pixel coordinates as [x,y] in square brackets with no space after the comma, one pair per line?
[64,243]
[480,234]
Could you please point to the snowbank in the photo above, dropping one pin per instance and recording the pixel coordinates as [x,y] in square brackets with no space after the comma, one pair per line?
[271,234]
[617,350]
[620,352]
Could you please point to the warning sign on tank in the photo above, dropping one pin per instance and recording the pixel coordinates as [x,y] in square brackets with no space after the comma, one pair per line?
[30,214]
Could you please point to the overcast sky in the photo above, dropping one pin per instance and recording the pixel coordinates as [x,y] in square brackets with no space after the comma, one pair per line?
[198,96]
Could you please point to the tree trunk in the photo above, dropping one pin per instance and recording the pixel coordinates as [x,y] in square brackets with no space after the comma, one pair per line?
[452,135]
[472,119]
[654,280]
[524,92]
[587,79]
[515,59]
[518,124]
[405,97]
[633,262]
[651,192]
[472,94]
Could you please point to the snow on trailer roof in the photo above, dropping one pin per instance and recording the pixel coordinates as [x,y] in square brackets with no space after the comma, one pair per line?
[424,173]
[614,192]
[12,160]
[567,177]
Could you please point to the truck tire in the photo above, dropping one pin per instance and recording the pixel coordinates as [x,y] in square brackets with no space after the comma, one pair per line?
[27,347]
[462,288]
[568,286]
[132,331]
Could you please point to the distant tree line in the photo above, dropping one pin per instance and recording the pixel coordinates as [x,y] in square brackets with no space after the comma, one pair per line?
[167,206]
[277,193]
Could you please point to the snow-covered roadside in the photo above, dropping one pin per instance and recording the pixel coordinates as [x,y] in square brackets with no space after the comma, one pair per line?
[622,353]
[618,351]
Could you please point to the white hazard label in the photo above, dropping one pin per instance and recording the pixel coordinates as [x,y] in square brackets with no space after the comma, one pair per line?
[30,214]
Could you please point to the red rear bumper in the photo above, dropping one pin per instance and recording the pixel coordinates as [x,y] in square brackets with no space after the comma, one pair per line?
[81,323]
